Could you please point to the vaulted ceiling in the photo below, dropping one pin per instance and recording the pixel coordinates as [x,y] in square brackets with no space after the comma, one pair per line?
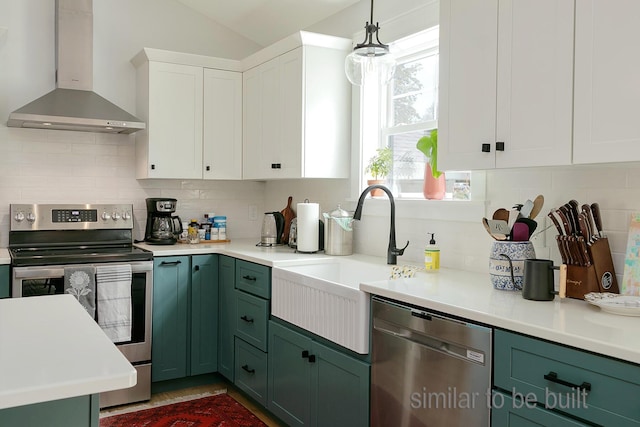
[267,21]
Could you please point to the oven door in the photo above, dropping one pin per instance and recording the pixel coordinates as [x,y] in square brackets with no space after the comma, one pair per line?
[49,280]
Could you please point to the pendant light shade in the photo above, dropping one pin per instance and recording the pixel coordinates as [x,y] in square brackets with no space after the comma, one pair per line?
[370,62]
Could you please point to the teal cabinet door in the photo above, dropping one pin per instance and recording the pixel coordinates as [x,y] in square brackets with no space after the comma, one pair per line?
[81,411]
[226,316]
[509,412]
[289,372]
[5,279]
[340,394]
[169,320]
[204,314]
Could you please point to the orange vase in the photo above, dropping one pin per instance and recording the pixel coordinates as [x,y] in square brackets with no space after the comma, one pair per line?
[433,188]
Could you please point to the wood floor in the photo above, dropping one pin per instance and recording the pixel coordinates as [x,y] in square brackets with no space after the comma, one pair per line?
[232,391]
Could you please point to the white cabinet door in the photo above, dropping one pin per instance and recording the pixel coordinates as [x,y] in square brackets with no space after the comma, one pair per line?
[506,77]
[175,121]
[287,151]
[261,118]
[468,60]
[535,82]
[607,81]
[222,139]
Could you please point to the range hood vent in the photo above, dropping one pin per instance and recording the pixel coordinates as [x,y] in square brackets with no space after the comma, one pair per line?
[73,105]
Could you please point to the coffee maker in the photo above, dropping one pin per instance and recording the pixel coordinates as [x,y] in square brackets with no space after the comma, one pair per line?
[163,228]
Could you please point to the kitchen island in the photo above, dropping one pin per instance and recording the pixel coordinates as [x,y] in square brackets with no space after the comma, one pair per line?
[54,360]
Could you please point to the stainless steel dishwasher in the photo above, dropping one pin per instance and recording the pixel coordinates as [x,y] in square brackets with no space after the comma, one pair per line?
[427,369]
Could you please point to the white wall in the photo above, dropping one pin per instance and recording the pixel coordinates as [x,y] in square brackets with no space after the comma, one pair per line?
[38,166]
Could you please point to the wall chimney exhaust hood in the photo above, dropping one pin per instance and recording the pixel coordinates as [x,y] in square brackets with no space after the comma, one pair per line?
[73,105]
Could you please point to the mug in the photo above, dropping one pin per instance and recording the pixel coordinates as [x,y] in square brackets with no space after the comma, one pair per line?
[537,284]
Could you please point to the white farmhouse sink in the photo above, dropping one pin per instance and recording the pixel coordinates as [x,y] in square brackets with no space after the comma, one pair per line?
[324,298]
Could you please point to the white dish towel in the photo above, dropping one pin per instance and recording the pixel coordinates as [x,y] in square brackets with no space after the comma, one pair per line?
[113,284]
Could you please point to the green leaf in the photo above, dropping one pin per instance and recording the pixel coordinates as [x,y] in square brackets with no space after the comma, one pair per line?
[428,144]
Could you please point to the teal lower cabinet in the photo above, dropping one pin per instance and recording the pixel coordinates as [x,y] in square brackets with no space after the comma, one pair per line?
[251,371]
[5,280]
[562,381]
[311,384]
[82,411]
[185,319]
[226,316]
[507,411]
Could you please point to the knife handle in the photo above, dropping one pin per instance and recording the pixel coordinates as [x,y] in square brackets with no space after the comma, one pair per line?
[584,228]
[565,219]
[597,218]
[585,253]
[555,222]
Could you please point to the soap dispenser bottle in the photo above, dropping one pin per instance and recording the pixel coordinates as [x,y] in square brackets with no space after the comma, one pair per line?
[432,255]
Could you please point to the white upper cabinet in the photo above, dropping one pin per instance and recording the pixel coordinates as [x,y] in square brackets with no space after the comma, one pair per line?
[193,115]
[607,81]
[506,78]
[297,110]
[222,139]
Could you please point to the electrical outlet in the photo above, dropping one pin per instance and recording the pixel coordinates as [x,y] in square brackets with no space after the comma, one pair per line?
[253,212]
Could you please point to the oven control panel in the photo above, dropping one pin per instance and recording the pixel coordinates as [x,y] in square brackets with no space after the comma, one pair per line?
[35,217]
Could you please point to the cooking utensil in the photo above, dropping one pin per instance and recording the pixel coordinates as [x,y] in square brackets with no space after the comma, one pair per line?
[496,236]
[501,214]
[538,202]
[520,231]
[499,226]
[288,214]
[531,225]
[525,210]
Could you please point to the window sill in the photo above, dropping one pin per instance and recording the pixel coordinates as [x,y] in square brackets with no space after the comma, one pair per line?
[439,210]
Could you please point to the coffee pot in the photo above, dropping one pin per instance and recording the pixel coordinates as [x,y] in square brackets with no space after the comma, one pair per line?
[163,228]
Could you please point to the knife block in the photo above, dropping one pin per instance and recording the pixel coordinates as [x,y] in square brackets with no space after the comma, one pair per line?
[598,277]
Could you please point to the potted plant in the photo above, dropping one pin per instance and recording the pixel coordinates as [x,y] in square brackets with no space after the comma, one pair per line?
[434,180]
[379,168]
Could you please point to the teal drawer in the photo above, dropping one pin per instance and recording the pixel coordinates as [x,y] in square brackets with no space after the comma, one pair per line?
[251,371]
[557,377]
[253,278]
[508,412]
[252,315]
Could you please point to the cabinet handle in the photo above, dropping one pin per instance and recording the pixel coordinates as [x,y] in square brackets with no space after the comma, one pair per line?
[247,319]
[305,354]
[486,148]
[312,358]
[246,368]
[196,268]
[499,146]
[170,262]
[153,167]
[208,168]
[553,377]
[251,278]
[276,166]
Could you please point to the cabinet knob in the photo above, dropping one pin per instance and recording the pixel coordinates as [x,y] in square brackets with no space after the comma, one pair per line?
[499,146]
[312,358]
[208,168]
[486,148]
[305,354]
[196,268]
[153,167]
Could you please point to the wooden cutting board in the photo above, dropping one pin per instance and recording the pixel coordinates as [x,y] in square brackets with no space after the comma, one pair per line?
[288,214]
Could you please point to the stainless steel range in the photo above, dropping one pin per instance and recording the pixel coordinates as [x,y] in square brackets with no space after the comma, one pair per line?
[87,250]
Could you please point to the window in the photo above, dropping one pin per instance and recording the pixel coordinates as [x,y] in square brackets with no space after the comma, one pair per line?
[399,114]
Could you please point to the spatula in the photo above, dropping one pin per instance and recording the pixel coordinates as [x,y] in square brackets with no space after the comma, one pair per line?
[538,202]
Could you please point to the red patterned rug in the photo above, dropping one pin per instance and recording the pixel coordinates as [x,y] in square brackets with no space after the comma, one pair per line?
[212,411]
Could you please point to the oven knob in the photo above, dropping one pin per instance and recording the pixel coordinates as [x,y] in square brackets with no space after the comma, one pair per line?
[115,216]
[31,217]
[19,217]
[126,216]
[105,216]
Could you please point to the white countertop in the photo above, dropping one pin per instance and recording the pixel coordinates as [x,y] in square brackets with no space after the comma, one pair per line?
[50,349]
[245,249]
[5,258]
[470,295]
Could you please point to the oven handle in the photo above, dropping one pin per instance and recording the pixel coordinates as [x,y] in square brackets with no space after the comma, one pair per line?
[58,271]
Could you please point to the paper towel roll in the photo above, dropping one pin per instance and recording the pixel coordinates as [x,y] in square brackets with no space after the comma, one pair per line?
[308,215]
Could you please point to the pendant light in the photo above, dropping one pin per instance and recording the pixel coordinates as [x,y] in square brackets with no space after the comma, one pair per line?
[369,61]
